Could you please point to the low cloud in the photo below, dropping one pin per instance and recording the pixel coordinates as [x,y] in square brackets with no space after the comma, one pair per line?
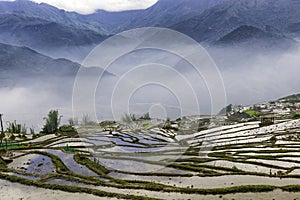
[90,6]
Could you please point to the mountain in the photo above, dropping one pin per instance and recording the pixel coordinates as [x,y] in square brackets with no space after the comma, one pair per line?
[291,99]
[24,66]
[255,38]
[222,19]
[49,13]
[58,33]
[166,13]
[39,33]
[48,37]
[16,62]
[111,22]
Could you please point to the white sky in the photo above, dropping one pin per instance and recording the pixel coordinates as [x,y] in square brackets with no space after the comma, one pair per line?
[90,6]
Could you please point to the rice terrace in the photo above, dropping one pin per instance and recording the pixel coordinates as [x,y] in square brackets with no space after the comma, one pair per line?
[149,99]
[144,158]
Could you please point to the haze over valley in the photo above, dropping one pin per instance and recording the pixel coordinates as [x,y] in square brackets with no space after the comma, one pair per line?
[43,47]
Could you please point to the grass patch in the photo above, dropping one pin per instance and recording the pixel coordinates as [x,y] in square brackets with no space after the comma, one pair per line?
[97,168]
[72,189]
[252,112]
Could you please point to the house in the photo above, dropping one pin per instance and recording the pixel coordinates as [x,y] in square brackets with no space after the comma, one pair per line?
[267,119]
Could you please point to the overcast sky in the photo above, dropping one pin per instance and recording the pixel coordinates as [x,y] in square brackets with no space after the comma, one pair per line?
[90,6]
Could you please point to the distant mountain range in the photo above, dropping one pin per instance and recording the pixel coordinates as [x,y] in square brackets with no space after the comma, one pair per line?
[205,21]
[281,16]
[166,13]
[20,64]
[262,24]
[39,33]
[252,37]
[26,62]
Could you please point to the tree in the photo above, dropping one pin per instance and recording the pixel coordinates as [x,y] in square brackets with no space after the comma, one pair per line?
[2,134]
[146,116]
[52,122]
[73,122]
[86,121]
[129,118]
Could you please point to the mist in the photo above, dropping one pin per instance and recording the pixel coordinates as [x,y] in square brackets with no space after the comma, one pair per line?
[258,76]
[255,78]
[29,103]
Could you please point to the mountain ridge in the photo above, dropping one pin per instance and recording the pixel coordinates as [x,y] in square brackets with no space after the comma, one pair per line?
[221,19]
[253,37]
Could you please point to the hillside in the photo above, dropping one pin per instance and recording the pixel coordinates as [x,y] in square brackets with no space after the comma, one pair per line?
[19,65]
[39,33]
[50,13]
[252,37]
[166,13]
[222,19]
[295,98]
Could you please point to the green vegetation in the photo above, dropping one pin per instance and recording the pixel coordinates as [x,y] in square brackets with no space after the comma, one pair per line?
[96,167]
[128,118]
[11,145]
[252,113]
[107,123]
[69,149]
[12,137]
[72,189]
[52,122]
[273,140]
[146,116]
[234,168]
[296,116]
[86,121]
[73,122]
[2,136]
[146,125]
[67,129]
[204,167]
[13,127]
[32,132]
[2,163]
[291,188]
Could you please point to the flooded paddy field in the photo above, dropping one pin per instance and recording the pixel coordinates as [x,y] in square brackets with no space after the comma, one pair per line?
[240,161]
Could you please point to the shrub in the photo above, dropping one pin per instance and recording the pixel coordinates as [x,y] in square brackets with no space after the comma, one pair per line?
[296,116]
[32,131]
[128,118]
[107,123]
[69,149]
[67,128]
[13,127]
[146,116]
[273,140]
[86,121]
[234,168]
[73,122]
